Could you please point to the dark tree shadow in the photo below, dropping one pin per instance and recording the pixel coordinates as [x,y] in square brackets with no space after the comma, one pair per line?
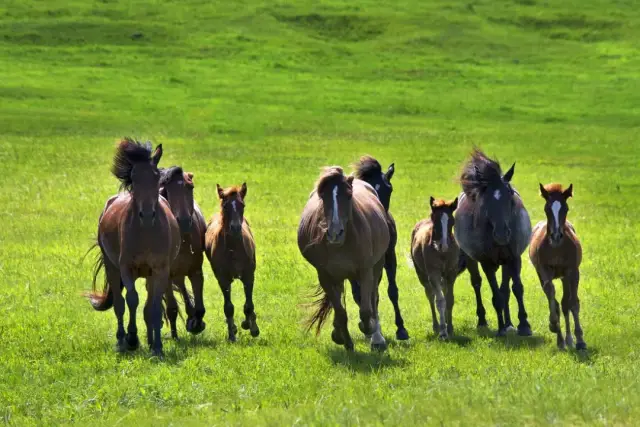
[365,362]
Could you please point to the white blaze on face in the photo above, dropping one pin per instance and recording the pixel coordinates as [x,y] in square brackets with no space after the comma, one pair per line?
[555,208]
[233,205]
[497,194]
[335,205]
[180,182]
[444,219]
[377,187]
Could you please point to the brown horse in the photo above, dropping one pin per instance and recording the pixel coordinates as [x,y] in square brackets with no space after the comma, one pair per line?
[343,233]
[231,251]
[555,252]
[138,236]
[434,253]
[177,187]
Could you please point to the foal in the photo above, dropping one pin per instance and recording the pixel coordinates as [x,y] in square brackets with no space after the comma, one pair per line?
[555,252]
[434,253]
[231,251]
[177,187]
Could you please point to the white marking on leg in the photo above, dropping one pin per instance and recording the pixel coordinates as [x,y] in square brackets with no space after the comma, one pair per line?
[555,208]
[377,337]
[497,194]
[444,219]
[335,204]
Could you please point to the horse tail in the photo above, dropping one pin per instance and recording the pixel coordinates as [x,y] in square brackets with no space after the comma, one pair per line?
[323,308]
[100,301]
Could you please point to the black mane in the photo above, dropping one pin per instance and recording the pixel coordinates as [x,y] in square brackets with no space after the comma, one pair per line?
[169,174]
[366,168]
[128,153]
[479,173]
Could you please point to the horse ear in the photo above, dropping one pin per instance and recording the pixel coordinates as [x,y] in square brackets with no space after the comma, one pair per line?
[507,176]
[350,179]
[243,190]
[390,171]
[544,193]
[157,154]
[431,200]
[220,192]
[568,192]
[190,175]
[454,205]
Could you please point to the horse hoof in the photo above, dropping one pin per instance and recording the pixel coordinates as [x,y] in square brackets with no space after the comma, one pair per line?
[402,334]
[482,324]
[443,336]
[349,347]
[581,346]
[132,342]
[524,331]
[501,333]
[255,332]
[121,346]
[380,347]
[157,352]
[510,329]
[245,325]
[231,338]
[336,337]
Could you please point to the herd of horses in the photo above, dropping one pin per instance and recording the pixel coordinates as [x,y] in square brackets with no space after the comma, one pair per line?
[154,229]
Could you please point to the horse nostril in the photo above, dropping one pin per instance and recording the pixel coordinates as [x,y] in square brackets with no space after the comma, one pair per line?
[153,214]
[140,214]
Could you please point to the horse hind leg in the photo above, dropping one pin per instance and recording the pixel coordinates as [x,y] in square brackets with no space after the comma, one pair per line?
[506,296]
[441,306]
[524,328]
[390,267]
[172,311]
[250,322]
[573,281]
[490,272]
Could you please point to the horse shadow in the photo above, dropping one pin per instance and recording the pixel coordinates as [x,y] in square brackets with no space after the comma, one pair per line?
[514,341]
[586,357]
[364,362]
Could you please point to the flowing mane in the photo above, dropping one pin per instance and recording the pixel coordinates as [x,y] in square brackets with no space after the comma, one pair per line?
[128,153]
[478,173]
[367,167]
[330,175]
[169,174]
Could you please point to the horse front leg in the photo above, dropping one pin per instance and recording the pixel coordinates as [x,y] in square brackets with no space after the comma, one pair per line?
[250,322]
[159,284]
[172,311]
[333,290]
[128,281]
[196,324]
[391,266]
[476,282]
[378,343]
[490,272]
[524,329]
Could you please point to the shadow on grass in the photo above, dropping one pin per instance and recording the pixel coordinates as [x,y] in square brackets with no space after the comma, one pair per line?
[587,357]
[365,362]
[513,341]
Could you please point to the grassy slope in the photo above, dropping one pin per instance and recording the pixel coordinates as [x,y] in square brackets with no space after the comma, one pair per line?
[268,93]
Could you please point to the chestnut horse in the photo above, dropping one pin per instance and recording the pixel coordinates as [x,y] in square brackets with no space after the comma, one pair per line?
[343,233]
[369,170]
[177,187]
[556,253]
[138,236]
[231,251]
[493,228]
[434,253]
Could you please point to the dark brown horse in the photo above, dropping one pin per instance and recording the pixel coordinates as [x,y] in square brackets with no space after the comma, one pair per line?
[138,236]
[556,253]
[434,253]
[343,233]
[493,228]
[177,187]
[369,169]
[231,251]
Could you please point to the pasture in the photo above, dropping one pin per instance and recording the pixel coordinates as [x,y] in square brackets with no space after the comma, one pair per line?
[268,93]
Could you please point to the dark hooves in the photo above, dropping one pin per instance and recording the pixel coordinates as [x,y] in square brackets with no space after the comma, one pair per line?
[132,343]
[501,333]
[336,337]
[195,326]
[121,346]
[581,346]
[255,332]
[245,325]
[402,334]
[349,347]
[524,331]
[443,336]
[231,338]
[157,353]
[380,347]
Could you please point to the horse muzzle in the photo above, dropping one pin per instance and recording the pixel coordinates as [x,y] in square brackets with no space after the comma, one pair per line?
[148,218]
[336,236]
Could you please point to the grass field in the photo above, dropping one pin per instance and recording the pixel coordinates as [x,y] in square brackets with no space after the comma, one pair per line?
[269,92]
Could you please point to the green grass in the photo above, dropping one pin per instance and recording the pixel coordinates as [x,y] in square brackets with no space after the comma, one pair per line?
[268,92]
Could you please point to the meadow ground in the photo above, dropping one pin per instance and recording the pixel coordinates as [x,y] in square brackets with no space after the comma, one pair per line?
[268,92]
